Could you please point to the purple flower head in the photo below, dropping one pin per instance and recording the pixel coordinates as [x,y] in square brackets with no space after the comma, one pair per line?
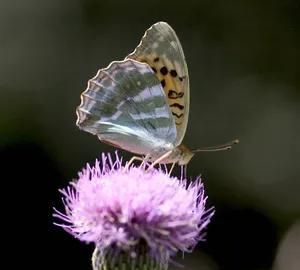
[124,208]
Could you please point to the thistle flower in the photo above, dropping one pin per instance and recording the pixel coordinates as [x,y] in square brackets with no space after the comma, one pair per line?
[130,213]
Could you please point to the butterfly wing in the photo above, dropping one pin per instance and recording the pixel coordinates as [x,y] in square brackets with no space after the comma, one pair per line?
[160,49]
[125,105]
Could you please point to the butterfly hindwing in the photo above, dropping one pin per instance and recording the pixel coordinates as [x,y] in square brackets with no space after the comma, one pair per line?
[124,105]
[162,51]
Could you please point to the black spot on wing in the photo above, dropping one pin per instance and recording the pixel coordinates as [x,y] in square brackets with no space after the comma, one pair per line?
[164,71]
[176,105]
[177,115]
[174,95]
[156,59]
[173,73]
[163,83]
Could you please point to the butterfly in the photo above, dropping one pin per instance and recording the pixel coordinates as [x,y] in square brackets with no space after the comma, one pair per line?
[141,104]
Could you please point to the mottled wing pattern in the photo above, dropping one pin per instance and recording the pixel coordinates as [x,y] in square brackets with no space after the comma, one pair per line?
[124,105]
[161,49]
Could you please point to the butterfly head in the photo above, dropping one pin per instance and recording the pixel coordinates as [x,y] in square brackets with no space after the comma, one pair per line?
[165,155]
[184,154]
[180,154]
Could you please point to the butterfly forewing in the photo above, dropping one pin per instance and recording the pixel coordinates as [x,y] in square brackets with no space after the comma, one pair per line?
[124,105]
[162,51]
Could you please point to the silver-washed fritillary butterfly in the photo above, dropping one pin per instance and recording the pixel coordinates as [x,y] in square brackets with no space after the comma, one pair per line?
[141,104]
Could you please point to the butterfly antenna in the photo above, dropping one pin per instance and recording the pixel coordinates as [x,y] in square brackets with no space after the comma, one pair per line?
[222,147]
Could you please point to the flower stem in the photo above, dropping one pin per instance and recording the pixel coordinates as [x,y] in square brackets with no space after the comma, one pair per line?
[120,260]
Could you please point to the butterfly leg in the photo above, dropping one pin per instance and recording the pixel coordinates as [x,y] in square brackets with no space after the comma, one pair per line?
[132,160]
[173,165]
[158,160]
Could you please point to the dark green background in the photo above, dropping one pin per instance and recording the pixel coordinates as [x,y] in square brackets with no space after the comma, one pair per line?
[243,59]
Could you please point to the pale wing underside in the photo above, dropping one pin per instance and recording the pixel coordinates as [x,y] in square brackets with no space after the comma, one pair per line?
[124,105]
[161,49]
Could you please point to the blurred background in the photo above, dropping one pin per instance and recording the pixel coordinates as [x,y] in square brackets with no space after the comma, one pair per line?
[243,59]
